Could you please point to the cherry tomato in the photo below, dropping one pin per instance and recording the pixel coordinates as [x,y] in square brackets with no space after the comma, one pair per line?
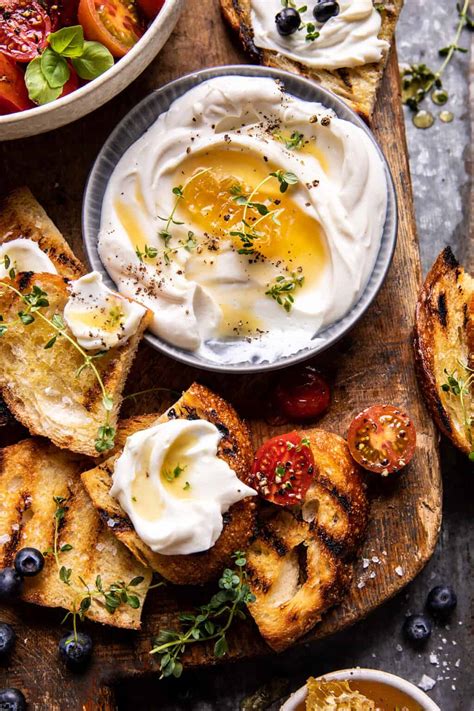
[283,469]
[72,83]
[13,94]
[382,439]
[62,13]
[302,395]
[150,8]
[114,23]
[24,27]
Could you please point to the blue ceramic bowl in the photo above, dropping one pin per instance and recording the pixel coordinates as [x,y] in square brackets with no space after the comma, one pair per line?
[134,125]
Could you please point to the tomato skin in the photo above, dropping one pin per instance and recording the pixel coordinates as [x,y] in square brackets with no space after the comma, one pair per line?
[13,93]
[382,439]
[283,469]
[150,8]
[111,22]
[72,83]
[24,27]
[62,13]
[302,395]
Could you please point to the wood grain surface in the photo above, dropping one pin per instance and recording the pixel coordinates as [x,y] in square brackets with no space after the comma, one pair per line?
[372,364]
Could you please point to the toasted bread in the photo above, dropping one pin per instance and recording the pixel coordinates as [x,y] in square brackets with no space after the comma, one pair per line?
[235,448]
[444,347]
[22,216]
[41,386]
[31,474]
[298,564]
[357,85]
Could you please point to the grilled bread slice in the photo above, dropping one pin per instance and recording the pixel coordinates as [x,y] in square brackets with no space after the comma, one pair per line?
[41,386]
[235,448]
[356,85]
[32,472]
[444,348]
[21,215]
[298,565]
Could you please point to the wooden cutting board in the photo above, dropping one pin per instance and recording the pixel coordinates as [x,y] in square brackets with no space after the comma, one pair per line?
[372,364]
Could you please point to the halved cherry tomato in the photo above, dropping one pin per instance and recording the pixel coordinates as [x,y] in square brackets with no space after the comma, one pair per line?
[283,469]
[150,8]
[114,23]
[24,27]
[62,13]
[382,439]
[13,94]
[72,83]
[302,394]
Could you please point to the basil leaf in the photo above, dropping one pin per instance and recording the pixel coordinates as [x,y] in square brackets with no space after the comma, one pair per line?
[94,61]
[68,42]
[39,90]
[54,68]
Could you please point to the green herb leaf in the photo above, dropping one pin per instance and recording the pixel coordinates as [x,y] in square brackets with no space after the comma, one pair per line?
[66,547]
[94,60]
[51,342]
[25,318]
[55,68]
[37,85]
[136,581]
[68,41]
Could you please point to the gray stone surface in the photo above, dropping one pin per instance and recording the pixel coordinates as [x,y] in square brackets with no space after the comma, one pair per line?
[440,171]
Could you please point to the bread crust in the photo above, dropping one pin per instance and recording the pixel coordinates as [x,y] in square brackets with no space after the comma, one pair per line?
[298,564]
[21,215]
[357,85]
[32,472]
[443,336]
[234,448]
[28,371]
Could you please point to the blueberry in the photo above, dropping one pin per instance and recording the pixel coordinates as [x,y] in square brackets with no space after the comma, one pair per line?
[325,9]
[29,562]
[10,583]
[75,650]
[12,700]
[417,628]
[7,638]
[287,21]
[441,601]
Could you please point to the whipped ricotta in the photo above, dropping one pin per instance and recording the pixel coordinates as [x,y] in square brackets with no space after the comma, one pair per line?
[174,487]
[98,317]
[24,255]
[174,220]
[349,39]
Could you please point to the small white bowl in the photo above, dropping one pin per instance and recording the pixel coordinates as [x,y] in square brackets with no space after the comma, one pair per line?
[396,682]
[99,91]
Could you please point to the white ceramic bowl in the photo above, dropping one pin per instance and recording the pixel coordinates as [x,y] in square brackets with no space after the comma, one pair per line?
[375,675]
[100,90]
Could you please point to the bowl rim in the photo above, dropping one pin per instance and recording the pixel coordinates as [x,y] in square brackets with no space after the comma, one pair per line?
[366,674]
[319,95]
[21,117]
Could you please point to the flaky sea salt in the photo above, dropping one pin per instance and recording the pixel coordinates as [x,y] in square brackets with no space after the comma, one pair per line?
[434,658]
[4,539]
[365,562]
[399,570]
[426,683]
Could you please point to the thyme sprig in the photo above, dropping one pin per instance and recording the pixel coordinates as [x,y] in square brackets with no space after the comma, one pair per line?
[210,623]
[34,301]
[294,142]
[459,384]
[111,597]
[418,79]
[247,231]
[6,262]
[165,233]
[282,290]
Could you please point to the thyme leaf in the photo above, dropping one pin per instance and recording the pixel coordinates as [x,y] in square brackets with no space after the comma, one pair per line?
[282,290]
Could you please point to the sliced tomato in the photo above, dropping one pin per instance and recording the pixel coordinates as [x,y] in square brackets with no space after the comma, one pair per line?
[283,469]
[114,23]
[302,394]
[24,27]
[13,94]
[382,439]
[150,8]
[62,13]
